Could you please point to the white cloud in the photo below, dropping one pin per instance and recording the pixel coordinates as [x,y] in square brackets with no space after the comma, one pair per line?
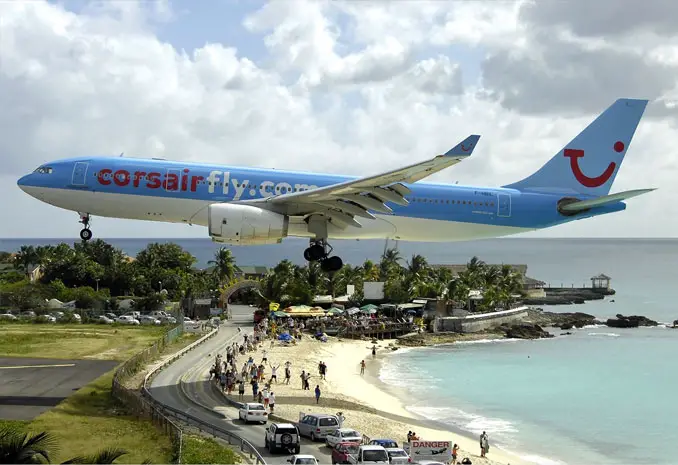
[388,76]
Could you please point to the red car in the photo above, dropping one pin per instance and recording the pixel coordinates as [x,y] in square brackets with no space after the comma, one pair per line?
[341,451]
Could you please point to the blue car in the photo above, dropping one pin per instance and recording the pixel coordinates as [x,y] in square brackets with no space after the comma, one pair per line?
[385,443]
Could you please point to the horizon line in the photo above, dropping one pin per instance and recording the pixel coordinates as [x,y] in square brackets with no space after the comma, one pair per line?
[355,240]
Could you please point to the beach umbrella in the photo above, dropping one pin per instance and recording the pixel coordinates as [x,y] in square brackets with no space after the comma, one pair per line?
[352,310]
[368,307]
[280,314]
[335,311]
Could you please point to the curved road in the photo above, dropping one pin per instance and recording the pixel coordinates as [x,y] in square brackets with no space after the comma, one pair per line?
[200,399]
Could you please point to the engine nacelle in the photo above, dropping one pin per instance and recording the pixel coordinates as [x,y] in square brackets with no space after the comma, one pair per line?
[245,224]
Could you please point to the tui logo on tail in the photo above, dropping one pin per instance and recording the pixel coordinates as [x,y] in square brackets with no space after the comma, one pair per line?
[584,180]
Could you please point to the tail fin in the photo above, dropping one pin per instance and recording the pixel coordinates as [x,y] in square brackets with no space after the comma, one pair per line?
[590,162]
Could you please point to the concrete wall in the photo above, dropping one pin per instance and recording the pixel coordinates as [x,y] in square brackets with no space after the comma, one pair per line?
[479,322]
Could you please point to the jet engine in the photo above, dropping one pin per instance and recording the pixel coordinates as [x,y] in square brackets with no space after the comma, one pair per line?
[245,224]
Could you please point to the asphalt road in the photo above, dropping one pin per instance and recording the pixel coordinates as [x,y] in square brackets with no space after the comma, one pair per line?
[31,386]
[194,368]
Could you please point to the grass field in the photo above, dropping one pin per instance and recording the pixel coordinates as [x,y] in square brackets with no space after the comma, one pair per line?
[197,449]
[90,420]
[76,341]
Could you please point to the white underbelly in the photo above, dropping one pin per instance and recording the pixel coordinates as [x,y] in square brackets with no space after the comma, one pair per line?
[189,211]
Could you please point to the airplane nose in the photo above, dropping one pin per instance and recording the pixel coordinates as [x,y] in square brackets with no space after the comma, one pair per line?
[23,182]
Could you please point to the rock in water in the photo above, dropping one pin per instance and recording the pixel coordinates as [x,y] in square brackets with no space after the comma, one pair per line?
[632,321]
[524,331]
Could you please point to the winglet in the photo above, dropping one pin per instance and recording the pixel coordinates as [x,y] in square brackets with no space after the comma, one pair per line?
[464,148]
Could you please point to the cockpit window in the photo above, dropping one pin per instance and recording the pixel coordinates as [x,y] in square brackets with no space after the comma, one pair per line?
[44,170]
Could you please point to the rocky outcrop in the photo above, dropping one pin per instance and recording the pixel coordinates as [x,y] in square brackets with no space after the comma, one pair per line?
[632,321]
[524,331]
[569,296]
[561,320]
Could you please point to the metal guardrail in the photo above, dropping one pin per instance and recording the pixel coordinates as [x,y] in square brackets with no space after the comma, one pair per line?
[136,403]
[231,438]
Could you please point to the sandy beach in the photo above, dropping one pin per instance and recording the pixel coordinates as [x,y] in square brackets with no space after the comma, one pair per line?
[368,404]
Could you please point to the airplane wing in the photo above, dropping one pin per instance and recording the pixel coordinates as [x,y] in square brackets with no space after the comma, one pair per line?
[342,202]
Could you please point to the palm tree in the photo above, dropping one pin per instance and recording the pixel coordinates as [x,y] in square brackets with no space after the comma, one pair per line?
[25,448]
[224,264]
[22,447]
[370,271]
[389,264]
[26,257]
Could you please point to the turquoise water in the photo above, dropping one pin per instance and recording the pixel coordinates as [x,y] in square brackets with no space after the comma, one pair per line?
[599,396]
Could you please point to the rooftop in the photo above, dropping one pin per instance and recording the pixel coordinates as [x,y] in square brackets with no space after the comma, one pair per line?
[601,276]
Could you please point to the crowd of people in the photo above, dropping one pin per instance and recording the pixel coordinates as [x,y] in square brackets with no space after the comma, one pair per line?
[230,374]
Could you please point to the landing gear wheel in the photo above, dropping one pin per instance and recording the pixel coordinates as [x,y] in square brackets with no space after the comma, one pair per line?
[315,252]
[85,234]
[331,264]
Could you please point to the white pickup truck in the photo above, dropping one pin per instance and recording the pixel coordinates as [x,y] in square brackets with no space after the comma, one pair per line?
[370,454]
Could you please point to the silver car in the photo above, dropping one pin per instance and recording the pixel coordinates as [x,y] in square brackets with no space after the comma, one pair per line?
[317,425]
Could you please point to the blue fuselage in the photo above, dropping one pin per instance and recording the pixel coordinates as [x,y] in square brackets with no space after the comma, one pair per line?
[84,185]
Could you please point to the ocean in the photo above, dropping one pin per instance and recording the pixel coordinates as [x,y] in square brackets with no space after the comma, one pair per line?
[598,396]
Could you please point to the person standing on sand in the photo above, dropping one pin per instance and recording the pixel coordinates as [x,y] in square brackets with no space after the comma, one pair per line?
[317,393]
[362,367]
[455,451]
[374,351]
[271,401]
[288,375]
[303,379]
[484,444]
[241,390]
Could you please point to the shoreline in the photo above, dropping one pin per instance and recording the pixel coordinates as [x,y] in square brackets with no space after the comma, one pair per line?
[370,405]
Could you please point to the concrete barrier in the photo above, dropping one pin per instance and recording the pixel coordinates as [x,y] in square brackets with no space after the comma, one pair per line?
[479,322]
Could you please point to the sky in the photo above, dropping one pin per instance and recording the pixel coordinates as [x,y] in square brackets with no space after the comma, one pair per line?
[353,87]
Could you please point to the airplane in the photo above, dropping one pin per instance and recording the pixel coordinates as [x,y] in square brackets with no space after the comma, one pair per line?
[251,206]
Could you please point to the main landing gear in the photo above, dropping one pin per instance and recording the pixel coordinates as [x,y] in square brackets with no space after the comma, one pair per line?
[319,250]
[85,232]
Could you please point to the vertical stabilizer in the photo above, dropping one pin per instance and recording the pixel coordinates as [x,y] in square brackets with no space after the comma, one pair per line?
[590,162]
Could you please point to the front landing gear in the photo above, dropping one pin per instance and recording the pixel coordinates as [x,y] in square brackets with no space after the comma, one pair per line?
[319,250]
[85,232]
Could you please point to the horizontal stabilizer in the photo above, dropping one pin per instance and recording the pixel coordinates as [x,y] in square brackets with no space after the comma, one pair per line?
[604,200]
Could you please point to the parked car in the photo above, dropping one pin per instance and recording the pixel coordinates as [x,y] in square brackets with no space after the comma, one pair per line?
[253,411]
[8,316]
[318,425]
[385,443]
[126,320]
[398,456]
[302,460]
[342,451]
[167,320]
[343,435]
[104,320]
[283,436]
[112,316]
[370,454]
[148,320]
[27,315]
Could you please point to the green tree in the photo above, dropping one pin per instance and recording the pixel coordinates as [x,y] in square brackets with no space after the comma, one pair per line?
[26,257]
[224,265]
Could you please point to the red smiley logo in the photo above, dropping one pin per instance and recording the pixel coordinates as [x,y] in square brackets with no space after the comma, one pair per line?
[576,154]
[465,149]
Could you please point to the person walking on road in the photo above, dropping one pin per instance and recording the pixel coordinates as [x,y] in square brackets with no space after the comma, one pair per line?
[317,393]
